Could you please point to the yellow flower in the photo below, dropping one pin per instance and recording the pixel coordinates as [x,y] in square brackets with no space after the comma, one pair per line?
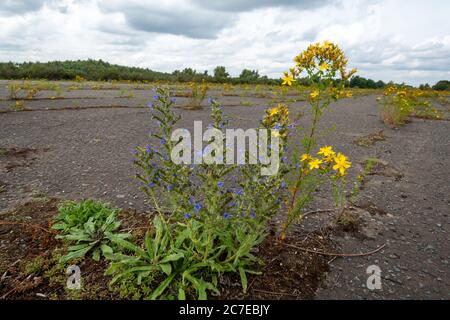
[305,157]
[313,95]
[326,152]
[342,164]
[288,79]
[275,133]
[273,112]
[315,164]
[324,66]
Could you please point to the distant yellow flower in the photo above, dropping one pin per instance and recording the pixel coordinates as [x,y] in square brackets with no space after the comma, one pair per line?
[342,164]
[273,112]
[326,152]
[305,157]
[315,164]
[288,79]
[313,95]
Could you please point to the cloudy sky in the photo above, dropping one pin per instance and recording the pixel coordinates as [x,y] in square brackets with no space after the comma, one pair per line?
[385,39]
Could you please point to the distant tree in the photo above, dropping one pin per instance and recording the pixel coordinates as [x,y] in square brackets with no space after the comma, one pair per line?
[220,74]
[363,83]
[443,85]
[249,76]
[425,86]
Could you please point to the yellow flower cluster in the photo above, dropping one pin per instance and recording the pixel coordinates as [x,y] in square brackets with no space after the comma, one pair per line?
[328,160]
[277,115]
[324,59]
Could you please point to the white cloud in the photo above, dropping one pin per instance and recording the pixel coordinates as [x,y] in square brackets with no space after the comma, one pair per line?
[384,39]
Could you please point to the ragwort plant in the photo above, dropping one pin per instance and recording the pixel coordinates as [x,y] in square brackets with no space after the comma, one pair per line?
[197,94]
[325,67]
[398,103]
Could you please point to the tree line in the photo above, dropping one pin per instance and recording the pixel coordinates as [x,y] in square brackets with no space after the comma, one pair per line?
[98,70]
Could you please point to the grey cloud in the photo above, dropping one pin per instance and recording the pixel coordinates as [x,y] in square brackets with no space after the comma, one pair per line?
[248,5]
[198,19]
[188,21]
[178,23]
[17,7]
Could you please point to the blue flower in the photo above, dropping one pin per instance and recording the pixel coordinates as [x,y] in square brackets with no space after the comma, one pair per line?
[156,97]
[252,214]
[226,215]
[220,184]
[187,216]
[148,149]
[277,126]
[170,187]
[150,105]
[291,126]
[239,192]
[210,100]
[191,200]
[283,185]
[173,100]
[197,207]
[163,141]
[151,184]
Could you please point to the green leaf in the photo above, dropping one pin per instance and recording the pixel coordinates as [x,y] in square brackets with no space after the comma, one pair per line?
[78,247]
[75,236]
[75,254]
[59,226]
[125,244]
[166,268]
[90,226]
[96,255]
[243,279]
[172,257]
[162,287]
[181,294]
[148,242]
[106,249]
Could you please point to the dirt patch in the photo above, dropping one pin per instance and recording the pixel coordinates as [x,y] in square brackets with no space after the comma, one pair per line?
[287,273]
[370,207]
[29,255]
[383,168]
[371,139]
[12,158]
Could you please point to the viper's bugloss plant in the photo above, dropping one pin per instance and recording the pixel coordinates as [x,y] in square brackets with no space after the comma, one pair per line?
[208,223]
